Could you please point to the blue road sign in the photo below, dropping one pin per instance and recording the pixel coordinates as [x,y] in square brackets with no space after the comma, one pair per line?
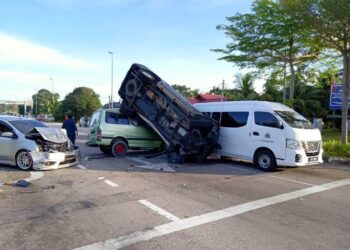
[335,99]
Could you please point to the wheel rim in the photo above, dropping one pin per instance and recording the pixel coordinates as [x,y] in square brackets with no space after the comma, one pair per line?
[264,161]
[24,160]
[119,149]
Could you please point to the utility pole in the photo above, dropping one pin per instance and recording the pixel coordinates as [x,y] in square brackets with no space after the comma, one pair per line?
[111,53]
[53,91]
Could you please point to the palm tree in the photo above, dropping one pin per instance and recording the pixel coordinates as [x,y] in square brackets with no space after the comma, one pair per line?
[245,86]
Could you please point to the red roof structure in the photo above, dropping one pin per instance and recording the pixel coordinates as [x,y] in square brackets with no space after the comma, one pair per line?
[207,98]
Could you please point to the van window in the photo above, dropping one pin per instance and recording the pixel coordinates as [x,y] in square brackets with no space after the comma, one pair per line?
[114,118]
[266,119]
[94,118]
[234,119]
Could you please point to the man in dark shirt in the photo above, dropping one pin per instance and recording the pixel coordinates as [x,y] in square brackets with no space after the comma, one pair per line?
[69,126]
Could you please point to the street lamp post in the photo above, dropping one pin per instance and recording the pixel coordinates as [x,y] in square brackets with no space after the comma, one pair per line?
[111,53]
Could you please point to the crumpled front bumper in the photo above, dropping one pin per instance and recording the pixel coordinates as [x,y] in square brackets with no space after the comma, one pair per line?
[50,161]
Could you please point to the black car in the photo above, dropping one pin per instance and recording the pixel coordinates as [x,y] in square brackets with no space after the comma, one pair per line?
[189,135]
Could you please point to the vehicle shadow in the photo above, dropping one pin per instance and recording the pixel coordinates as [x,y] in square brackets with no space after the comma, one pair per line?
[140,161]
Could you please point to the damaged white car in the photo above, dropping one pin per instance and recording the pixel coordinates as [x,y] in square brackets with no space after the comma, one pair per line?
[30,144]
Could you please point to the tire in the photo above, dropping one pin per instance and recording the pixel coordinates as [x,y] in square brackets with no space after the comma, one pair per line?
[131,88]
[265,160]
[119,148]
[24,160]
[105,149]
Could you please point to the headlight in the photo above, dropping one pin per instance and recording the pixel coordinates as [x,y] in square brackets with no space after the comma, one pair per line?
[293,144]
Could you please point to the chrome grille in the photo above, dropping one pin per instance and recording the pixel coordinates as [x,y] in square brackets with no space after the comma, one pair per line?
[311,146]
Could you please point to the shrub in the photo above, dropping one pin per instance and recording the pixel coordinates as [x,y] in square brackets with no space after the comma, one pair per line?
[336,148]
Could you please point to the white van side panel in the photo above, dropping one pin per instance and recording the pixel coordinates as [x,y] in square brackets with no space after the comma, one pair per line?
[237,142]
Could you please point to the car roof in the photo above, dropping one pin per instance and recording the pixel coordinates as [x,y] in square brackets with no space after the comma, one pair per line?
[261,104]
[13,118]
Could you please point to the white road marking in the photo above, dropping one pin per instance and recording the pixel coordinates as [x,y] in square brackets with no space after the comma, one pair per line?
[159,210]
[80,141]
[287,179]
[111,183]
[176,226]
[81,166]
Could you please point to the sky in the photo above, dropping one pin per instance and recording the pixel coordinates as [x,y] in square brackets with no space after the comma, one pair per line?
[63,44]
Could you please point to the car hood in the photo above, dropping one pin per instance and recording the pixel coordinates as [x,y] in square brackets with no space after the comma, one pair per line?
[55,135]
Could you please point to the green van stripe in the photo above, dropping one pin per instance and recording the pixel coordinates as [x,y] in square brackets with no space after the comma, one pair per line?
[132,139]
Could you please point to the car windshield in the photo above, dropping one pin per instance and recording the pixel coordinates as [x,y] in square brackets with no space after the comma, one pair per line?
[294,119]
[24,126]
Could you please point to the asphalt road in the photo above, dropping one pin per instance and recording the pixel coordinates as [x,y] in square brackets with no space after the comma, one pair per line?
[138,203]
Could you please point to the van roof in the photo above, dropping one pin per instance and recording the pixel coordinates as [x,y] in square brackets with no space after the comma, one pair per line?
[260,104]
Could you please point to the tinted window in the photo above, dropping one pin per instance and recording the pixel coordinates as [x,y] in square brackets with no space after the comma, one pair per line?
[266,119]
[24,126]
[4,129]
[234,119]
[114,118]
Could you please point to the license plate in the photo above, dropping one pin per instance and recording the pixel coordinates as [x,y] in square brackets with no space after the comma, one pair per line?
[312,159]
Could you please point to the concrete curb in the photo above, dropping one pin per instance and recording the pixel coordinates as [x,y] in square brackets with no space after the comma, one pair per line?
[333,159]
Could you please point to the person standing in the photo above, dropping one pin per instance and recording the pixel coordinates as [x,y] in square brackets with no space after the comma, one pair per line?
[69,126]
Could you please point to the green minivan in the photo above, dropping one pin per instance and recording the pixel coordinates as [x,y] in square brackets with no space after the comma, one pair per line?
[116,133]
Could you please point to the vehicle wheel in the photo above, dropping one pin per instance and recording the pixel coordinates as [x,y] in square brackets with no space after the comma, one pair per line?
[105,149]
[24,160]
[265,160]
[119,148]
[131,88]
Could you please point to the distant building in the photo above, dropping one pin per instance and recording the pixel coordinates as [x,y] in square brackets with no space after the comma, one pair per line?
[207,98]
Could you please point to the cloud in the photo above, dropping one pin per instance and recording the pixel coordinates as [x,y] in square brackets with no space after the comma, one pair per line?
[16,50]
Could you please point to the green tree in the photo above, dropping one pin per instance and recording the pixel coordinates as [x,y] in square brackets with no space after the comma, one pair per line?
[44,102]
[185,91]
[267,38]
[81,102]
[245,86]
[329,22]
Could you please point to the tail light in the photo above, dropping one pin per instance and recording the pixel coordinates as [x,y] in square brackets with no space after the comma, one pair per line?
[99,134]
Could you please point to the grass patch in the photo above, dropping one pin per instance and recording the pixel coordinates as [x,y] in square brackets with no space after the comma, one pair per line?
[332,145]
[336,149]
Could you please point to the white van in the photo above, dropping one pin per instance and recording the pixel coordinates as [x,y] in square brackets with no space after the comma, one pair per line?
[265,133]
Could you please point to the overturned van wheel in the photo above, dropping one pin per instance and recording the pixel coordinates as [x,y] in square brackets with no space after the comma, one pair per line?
[265,160]
[131,88]
[175,157]
[119,148]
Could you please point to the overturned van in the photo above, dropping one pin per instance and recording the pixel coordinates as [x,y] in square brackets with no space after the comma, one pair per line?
[188,134]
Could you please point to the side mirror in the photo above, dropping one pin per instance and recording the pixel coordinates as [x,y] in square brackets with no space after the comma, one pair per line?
[8,135]
[280,124]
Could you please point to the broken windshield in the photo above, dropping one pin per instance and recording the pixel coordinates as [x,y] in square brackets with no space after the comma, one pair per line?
[294,119]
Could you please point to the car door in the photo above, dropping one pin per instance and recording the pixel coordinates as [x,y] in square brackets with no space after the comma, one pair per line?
[268,132]
[143,136]
[93,129]
[7,144]
[234,134]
